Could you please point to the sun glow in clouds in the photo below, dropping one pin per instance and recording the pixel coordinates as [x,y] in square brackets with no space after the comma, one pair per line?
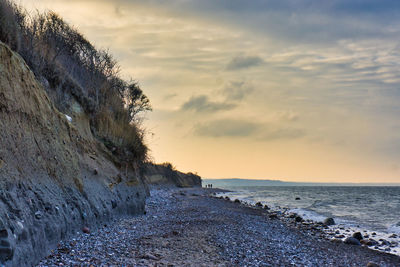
[260,89]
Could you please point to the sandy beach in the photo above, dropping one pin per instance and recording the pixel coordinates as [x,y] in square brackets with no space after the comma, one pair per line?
[190,227]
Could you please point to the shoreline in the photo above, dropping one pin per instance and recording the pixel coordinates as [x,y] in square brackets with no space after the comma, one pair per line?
[189,227]
[388,242]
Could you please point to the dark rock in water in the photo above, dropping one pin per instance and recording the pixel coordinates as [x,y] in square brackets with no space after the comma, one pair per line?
[297,198]
[352,241]
[373,233]
[95,172]
[384,242]
[298,219]
[227,198]
[358,235]
[372,242]
[372,264]
[329,221]
[393,236]
[266,207]
[86,230]
[292,215]
[237,201]
[258,204]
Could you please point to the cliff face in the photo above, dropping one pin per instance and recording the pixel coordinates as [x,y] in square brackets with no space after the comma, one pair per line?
[166,175]
[55,177]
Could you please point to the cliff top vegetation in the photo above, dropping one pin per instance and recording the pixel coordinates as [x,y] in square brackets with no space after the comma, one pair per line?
[70,67]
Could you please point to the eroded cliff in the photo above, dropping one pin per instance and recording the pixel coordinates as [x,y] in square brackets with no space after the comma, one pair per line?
[55,178]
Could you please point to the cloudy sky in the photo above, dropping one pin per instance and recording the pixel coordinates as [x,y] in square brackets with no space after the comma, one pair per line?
[303,90]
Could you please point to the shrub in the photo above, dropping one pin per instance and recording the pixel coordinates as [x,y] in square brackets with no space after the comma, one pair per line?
[70,66]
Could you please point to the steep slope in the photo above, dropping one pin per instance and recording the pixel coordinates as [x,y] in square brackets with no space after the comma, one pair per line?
[165,175]
[55,177]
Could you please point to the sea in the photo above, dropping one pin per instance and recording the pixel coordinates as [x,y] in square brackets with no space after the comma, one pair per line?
[372,210]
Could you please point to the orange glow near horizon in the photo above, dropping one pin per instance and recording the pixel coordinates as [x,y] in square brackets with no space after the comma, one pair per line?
[232,99]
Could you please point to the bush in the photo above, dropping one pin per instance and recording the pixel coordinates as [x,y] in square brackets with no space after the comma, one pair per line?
[70,66]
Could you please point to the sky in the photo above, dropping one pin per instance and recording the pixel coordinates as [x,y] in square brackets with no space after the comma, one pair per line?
[296,90]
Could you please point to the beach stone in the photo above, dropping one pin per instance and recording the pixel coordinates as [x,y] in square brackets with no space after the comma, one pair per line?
[298,219]
[384,242]
[38,215]
[372,264]
[329,221]
[273,216]
[297,198]
[372,242]
[227,198]
[258,204]
[393,236]
[86,230]
[358,235]
[266,207]
[237,201]
[352,241]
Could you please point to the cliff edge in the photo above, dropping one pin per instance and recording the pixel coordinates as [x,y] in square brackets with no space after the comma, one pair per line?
[55,178]
[165,174]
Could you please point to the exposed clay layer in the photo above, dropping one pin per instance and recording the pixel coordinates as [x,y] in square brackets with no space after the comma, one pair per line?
[55,178]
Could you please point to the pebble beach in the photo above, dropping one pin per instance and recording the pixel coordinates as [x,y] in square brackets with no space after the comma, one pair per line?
[192,227]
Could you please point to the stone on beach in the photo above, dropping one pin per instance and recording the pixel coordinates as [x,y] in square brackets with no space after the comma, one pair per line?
[352,241]
[298,219]
[329,221]
[207,231]
[358,235]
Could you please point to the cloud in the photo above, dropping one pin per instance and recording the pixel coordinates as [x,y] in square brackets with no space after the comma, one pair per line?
[244,62]
[170,96]
[237,91]
[282,133]
[226,128]
[245,128]
[201,103]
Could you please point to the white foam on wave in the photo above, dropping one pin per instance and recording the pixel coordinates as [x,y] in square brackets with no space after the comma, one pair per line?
[309,215]
[394,228]
[343,227]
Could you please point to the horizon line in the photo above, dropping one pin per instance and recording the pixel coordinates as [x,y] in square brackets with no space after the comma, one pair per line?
[300,182]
